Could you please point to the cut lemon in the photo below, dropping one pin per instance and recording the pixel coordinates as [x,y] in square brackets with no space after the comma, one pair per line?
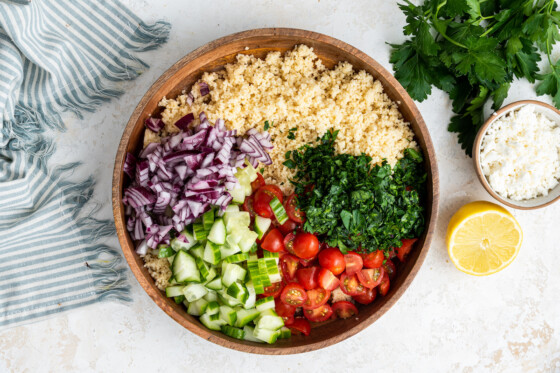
[483,238]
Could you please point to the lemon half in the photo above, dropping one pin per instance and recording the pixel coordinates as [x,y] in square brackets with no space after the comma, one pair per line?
[483,238]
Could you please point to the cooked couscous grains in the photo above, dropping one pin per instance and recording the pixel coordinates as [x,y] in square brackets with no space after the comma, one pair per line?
[300,96]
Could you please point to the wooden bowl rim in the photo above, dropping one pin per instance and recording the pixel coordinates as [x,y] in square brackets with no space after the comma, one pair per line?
[118,211]
[478,143]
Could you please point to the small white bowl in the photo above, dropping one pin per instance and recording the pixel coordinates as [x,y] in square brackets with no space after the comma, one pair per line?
[534,203]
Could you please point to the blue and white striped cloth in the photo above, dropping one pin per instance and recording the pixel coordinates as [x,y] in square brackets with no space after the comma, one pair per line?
[57,56]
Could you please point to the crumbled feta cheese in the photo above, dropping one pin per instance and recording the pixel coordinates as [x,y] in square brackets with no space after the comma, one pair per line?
[520,154]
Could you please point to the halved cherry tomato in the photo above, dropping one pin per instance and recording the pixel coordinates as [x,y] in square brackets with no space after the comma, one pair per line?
[273,241]
[332,259]
[294,294]
[288,227]
[308,277]
[344,309]
[373,260]
[318,314]
[327,280]
[354,263]
[307,262]
[285,311]
[248,206]
[273,290]
[289,265]
[262,199]
[316,298]
[405,248]
[259,182]
[384,285]
[289,242]
[370,277]
[300,325]
[366,297]
[389,267]
[306,245]
[350,285]
[293,212]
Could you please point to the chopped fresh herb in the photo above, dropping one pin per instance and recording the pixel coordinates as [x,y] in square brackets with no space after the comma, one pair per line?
[354,204]
[473,49]
[267,125]
[262,170]
[291,133]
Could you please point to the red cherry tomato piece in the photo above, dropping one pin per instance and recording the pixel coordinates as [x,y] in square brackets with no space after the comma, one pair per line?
[273,290]
[327,280]
[319,314]
[371,277]
[285,311]
[354,263]
[248,206]
[307,262]
[262,199]
[316,298]
[373,260]
[294,294]
[389,268]
[300,325]
[366,297]
[259,182]
[306,245]
[293,212]
[384,285]
[289,243]
[332,259]
[344,309]
[288,227]
[289,265]
[350,285]
[308,277]
[273,241]
[403,251]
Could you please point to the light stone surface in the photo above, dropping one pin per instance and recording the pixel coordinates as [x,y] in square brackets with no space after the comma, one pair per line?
[446,321]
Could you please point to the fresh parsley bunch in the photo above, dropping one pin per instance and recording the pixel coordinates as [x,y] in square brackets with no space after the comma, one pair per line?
[472,50]
[351,204]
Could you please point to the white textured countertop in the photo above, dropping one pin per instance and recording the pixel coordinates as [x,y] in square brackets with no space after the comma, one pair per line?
[446,321]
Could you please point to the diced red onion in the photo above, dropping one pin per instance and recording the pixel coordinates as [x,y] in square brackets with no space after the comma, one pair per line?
[204,90]
[154,124]
[184,122]
[142,249]
[129,165]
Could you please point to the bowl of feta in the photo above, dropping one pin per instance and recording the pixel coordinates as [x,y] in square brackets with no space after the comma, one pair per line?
[517,155]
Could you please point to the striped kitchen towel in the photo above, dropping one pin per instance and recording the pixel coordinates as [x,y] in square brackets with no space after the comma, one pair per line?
[58,56]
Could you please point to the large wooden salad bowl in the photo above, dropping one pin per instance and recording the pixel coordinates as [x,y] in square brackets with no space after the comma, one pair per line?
[214,56]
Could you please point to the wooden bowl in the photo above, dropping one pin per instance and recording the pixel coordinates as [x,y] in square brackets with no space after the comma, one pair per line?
[534,203]
[213,56]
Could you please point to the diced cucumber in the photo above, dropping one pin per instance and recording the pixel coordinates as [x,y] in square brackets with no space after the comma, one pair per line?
[198,307]
[285,333]
[252,298]
[185,303]
[211,296]
[268,254]
[233,332]
[265,304]
[238,291]
[249,334]
[212,253]
[218,232]
[165,251]
[228,314]
[228,300]
[184,268]
[237,219]
[245,182]
[235,235]
[202,268]
[237,258]
[213,308]
[170,259]
[254,248]
[250,171]
[197,250]
[238,194]
[172,280]
[268,319]
[211,275]
[229,249]
[263,270]
[248,239]
[266,335]
[232,208]
[174,291]
[207,321]
[194,291]
[215,284]
[244,317]
[208,219]
[233,273]
[177,244]
[199,232]
[180,299]
[278,210]
[261,226]
[272,270]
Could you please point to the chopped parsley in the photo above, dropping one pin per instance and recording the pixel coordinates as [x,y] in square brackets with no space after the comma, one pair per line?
[354,205]
[291,133]
[267,125]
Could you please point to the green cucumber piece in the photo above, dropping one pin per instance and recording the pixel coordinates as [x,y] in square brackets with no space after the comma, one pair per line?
[194,291]
[261,226]
[268,254]
[245,182]
[233,273]
[238,291]
[180,299]
[212,253]
[208,219]
[184,268]
[228,250]
[278,210]
[268,319]
[198,307]
[212,308]
[202,268]
[218,232]
[265,304]
[285,333]
[238,194]
[266,335]
[247,241]
[233,332]
[174,291]
[237,219]
[211,296]
[228,314]
[207,321]
[228,300]
[165,251]
[177,244]
[250,171]
[199,232]
[252,298]
[249,334]
[197,250]
[244,317]
[237,258]
[232,208]
[215,284]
